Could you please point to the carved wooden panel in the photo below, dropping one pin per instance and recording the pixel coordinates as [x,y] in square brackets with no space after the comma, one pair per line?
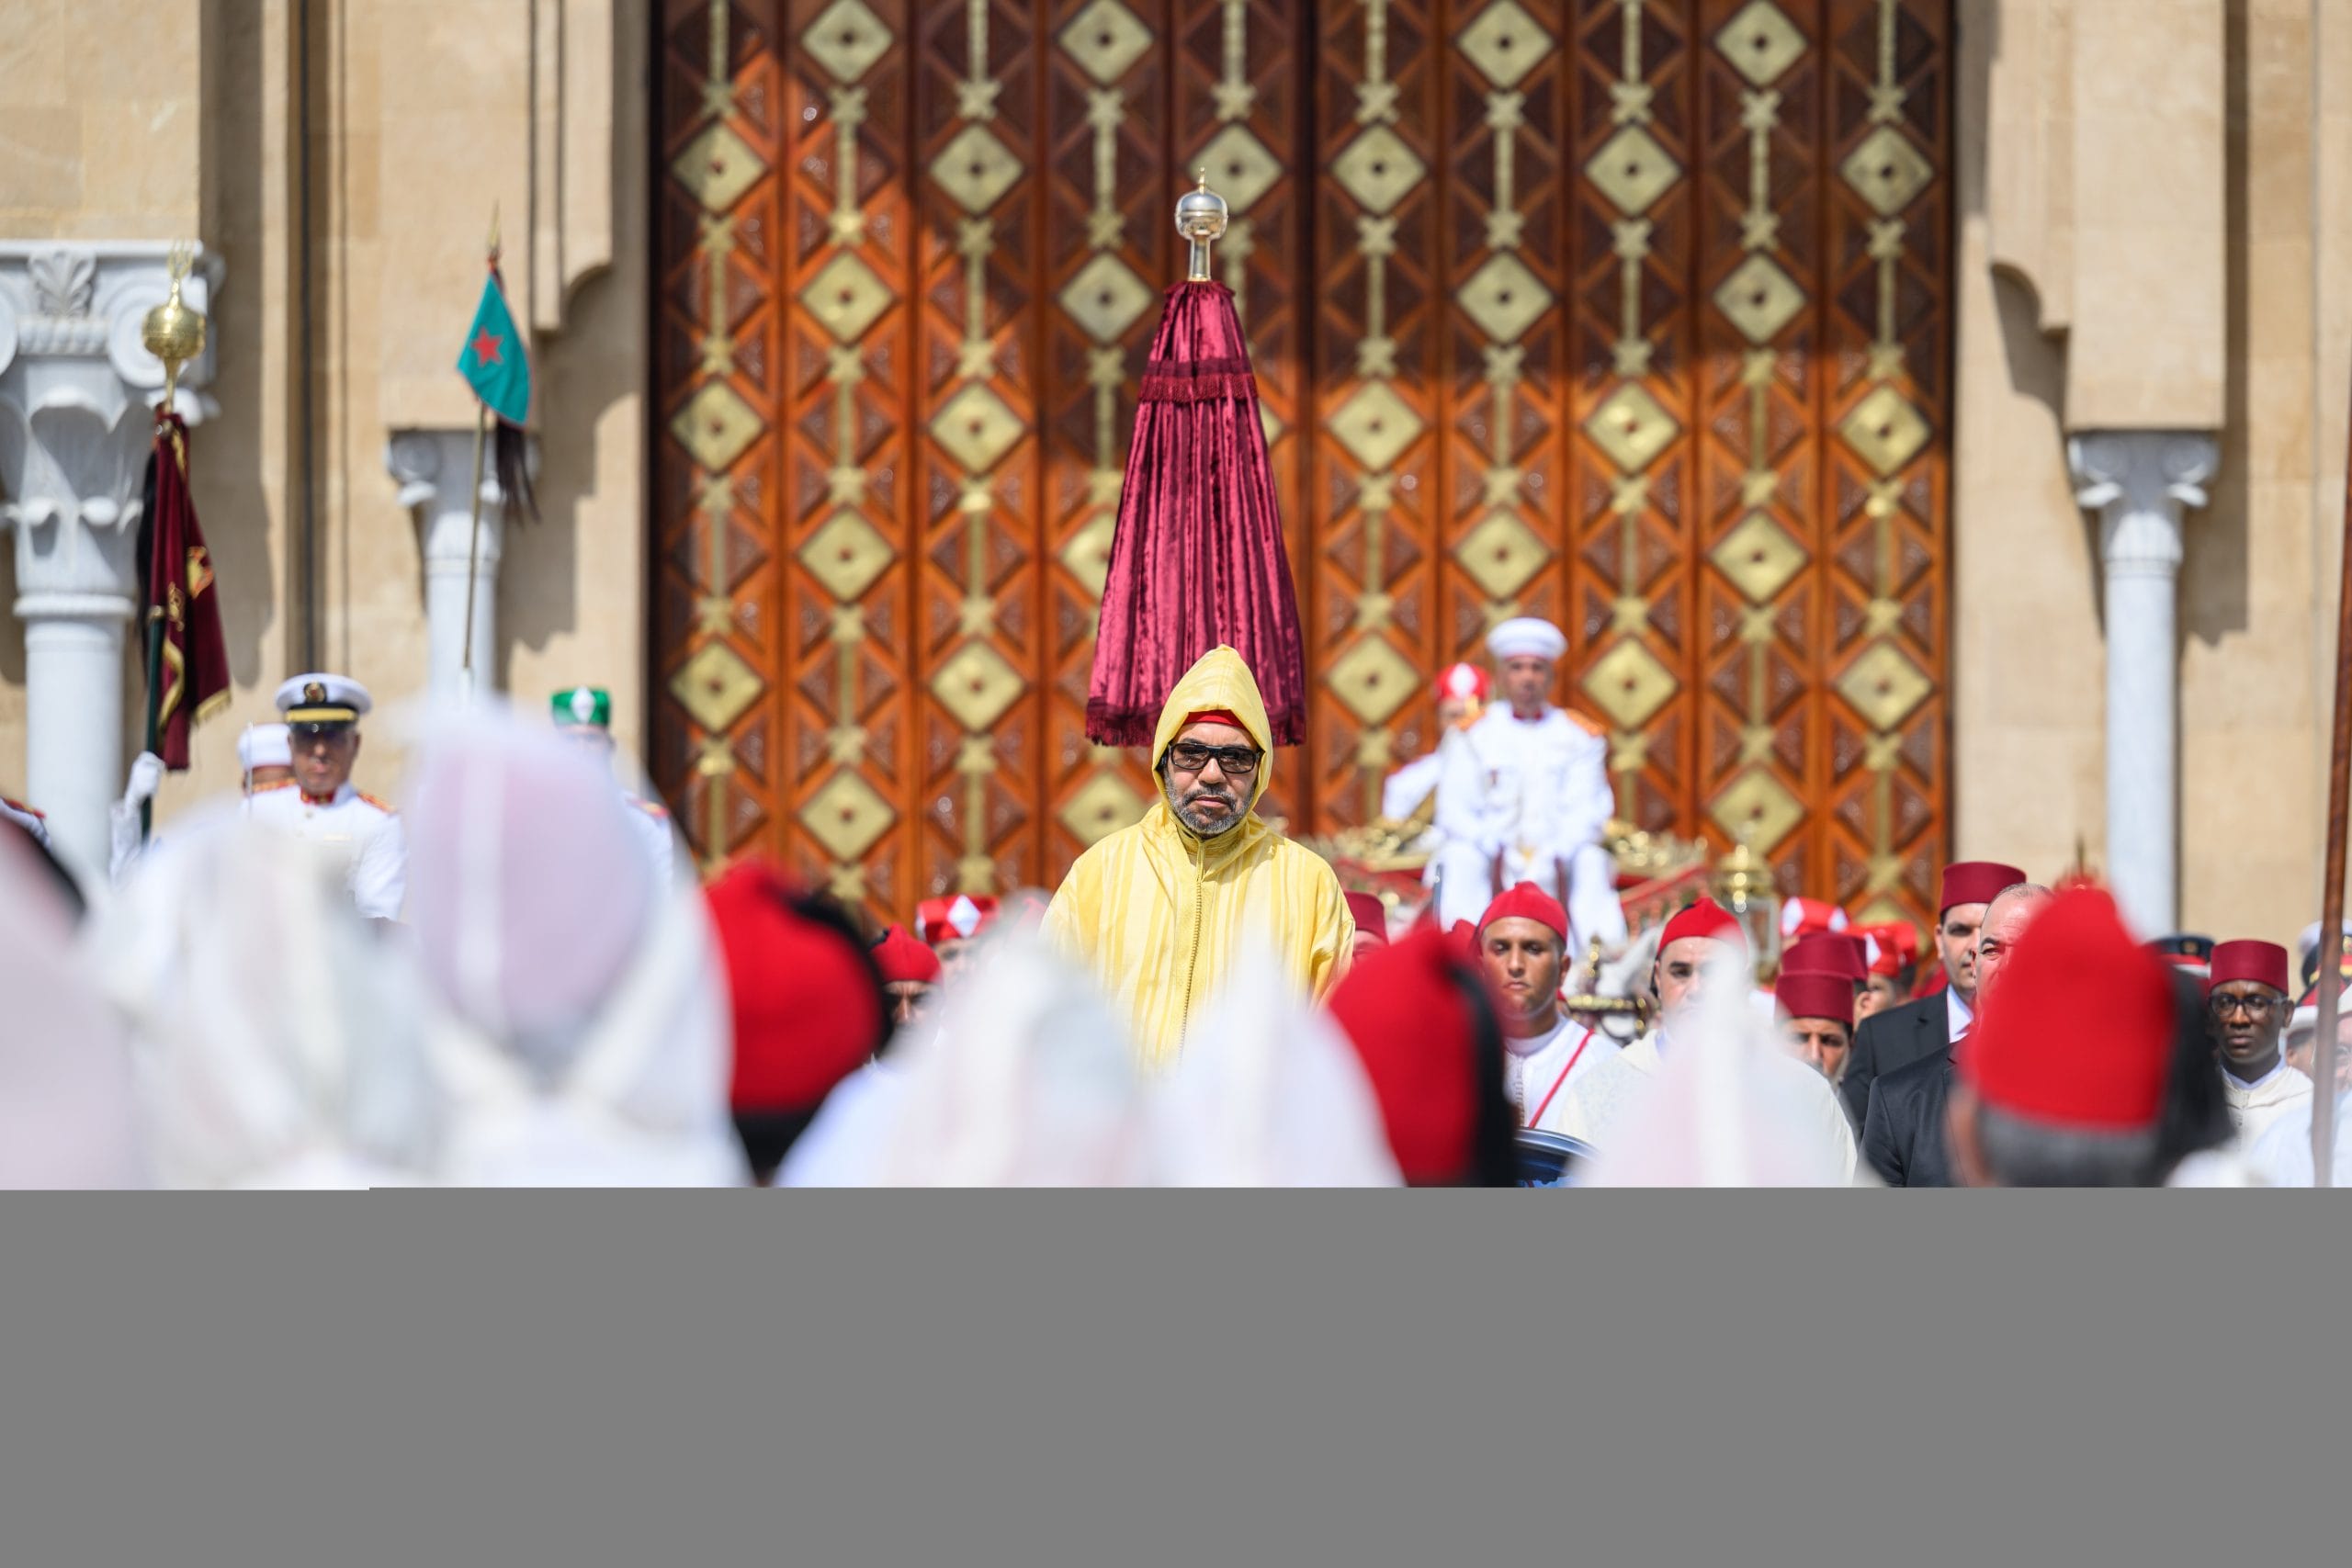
[1629,314]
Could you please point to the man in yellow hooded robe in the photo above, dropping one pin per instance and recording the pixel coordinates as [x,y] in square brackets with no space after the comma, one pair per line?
[1157,911]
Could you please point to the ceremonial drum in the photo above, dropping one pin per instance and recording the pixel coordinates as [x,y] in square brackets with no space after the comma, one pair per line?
[1551,1159]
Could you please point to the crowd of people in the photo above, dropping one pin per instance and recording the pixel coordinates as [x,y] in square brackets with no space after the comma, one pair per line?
[516,979]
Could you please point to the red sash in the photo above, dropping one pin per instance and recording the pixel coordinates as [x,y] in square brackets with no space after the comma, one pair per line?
[1573,1057]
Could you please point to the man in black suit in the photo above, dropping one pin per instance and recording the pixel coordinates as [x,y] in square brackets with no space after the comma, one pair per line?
[1916,1032]
[1903,1129]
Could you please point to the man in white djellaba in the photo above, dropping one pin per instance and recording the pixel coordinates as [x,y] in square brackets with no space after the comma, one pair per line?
[1523,796]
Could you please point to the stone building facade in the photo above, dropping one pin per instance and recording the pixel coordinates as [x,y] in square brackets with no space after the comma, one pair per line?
[2150,337]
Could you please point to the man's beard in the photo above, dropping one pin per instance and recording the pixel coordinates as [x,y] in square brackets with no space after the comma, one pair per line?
[1205,826]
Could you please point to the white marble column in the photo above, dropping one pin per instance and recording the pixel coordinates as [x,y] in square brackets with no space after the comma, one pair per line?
[434,469]
[77,391]
[2141,481]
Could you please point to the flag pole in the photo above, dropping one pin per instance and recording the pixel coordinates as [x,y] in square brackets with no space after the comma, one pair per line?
[474,540]
[2331,919]
[473,548]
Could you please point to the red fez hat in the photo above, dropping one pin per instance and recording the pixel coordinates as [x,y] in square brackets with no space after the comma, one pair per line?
[1527,902]
[1891,948]
[1216,716]
[1371,915]
[901,957]
[1841,953]
[954,917]
[1975,882]
[1707,919]
[1464,937]
[2079,1033]
[1462,680]
[1804,995]
[1803,917]
[806,1010]
[1411,1026]
[2265,962]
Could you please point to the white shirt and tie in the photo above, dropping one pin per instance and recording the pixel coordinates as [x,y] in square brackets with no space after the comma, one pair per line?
[1957,1016]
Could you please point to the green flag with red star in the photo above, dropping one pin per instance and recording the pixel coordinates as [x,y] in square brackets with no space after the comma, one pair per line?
[492,361]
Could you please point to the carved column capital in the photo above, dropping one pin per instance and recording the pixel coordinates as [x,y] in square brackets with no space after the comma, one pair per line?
[2141,481]
[434,472]
[77,394]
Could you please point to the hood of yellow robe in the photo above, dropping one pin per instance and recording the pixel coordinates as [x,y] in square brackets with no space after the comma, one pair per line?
[1218,680]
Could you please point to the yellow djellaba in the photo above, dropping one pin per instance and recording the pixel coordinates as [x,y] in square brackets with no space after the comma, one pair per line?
[1159,912]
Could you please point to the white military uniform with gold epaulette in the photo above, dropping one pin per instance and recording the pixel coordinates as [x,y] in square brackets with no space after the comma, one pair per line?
[1535,793]
[360,833]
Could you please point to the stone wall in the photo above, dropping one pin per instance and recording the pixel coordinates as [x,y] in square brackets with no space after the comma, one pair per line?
[425,113]
[2077,314]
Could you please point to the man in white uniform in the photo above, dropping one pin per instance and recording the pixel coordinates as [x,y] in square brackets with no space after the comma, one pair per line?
[584,715]
[320,806]
[264,760]
[2246,1005]
[1524,796]
[1523,948]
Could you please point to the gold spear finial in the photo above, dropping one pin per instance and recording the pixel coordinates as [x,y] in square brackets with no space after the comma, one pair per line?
[171,331]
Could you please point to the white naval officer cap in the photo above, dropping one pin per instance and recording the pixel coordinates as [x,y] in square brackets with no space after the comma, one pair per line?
[321,698]
[264,746]
[1525,637]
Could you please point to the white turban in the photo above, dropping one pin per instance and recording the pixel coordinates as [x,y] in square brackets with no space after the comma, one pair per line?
[263,746]
[1525,637]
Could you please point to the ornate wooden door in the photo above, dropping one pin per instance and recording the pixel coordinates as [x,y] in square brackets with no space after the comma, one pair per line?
[1629,314]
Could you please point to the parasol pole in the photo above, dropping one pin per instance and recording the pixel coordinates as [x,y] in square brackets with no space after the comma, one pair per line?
[2331,919]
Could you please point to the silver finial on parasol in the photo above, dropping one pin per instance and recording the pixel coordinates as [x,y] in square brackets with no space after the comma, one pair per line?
[1201,219]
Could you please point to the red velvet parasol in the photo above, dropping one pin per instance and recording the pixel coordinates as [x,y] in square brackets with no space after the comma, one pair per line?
[1198,558]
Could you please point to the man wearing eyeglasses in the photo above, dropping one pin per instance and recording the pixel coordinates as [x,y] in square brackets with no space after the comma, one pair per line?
[2245,1006]
[1157,911]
